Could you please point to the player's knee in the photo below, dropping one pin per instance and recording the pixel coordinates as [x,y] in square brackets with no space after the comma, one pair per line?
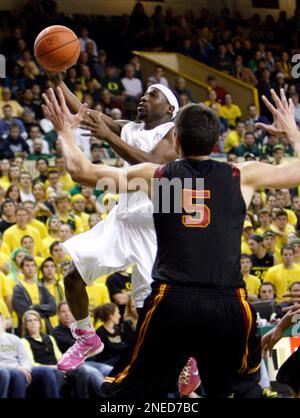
[73,280]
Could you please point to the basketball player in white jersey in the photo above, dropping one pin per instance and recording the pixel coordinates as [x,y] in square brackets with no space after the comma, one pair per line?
[127,236]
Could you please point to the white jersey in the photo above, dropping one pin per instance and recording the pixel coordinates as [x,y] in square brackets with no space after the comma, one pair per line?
[137,207]
[127,236]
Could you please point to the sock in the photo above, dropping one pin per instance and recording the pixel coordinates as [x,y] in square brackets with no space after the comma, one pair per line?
[85,324]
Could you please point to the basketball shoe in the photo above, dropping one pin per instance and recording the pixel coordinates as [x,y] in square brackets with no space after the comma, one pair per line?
[189,378]
[87,344]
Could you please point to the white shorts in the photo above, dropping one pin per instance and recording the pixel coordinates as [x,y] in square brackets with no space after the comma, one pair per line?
[113,245]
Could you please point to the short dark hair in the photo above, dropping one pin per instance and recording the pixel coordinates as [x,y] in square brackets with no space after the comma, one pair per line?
[60,304]
[244,256]
[95,146]
[287,247]
[267,284]
[103,312]
[13,125]
[53,172]
[27,259]
[281,213]
[257,238]
[54,244]
[6,201]
[292,284]
[46,261]
[25,237]
[42,159]
[249,133]
[197,127]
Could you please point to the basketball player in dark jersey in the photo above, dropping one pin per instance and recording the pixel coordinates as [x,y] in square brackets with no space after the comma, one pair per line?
[197,281]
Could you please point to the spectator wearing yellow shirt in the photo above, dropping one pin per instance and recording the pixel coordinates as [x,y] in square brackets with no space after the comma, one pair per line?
[283,275]
[14,175]
[282,228]
[64,177]
[25,185]
[2,194]
[4,259]
[29,295]
[59,257]
[283,201]
[295,243]
[247,232]
[269,242]
[264,219]
[12,236]
[252,282]
[28,243]
[54,224]
[17,110]
[98,295]
[40,226]
[78,205]
[5,294]
[296,209]
[4,173]
[234,138]
[65,232]
[212,98]
[231,112]
[94,218]
[6,315]
[54,286]
[43,209]
[62,203]
[53,184]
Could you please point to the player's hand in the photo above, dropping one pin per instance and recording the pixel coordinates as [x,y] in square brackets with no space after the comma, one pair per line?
[284,123]
[270,339]
[94,122]
[55,78]
[292,297]
[58,112]
[293,309]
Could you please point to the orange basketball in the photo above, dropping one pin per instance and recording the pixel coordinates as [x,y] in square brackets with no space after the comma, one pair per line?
[56,48]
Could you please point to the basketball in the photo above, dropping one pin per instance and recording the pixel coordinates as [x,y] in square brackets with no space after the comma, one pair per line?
[56,48]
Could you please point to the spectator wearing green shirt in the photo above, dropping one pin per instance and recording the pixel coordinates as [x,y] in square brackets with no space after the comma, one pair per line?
[113,84]
[248,146]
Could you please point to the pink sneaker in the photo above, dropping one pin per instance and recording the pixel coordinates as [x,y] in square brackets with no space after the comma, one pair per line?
[189,378]
[88,344]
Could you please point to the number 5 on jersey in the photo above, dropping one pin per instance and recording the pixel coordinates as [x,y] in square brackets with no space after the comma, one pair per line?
[201,213]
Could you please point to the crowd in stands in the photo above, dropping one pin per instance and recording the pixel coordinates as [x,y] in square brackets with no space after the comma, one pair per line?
[41,206]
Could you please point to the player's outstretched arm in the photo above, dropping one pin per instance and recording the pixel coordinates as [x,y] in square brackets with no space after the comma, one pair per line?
[163,152]
[272,337]
[81,169]
[74,104]
[256,175]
